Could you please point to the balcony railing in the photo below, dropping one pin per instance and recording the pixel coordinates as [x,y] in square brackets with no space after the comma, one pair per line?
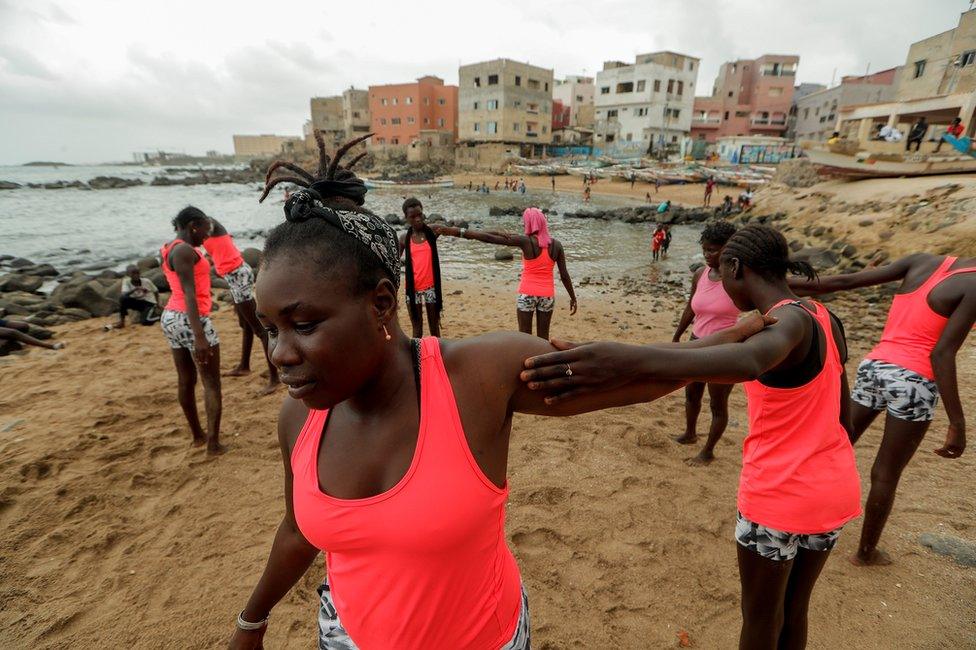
[760,121]
[531,134]
[706,120]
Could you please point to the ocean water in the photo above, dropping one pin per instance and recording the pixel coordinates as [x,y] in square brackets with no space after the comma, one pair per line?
[94,229]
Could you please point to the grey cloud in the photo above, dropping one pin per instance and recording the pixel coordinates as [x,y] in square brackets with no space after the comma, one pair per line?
[22,63]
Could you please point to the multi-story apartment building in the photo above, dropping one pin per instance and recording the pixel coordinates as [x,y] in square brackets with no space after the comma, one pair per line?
[505,101]
[576,95]
[326,115]
[399,112]
[749,97]
[937,81]
[816,113]
[644,106]
[355,112]
[258,146]
[800,91]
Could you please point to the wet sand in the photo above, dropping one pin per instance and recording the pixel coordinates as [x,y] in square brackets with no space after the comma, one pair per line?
[117,534]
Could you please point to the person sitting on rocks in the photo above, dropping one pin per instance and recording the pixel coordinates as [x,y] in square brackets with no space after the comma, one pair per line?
[16,330]
[138,294]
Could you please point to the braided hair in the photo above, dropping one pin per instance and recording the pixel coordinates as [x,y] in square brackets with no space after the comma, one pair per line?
[328,170]
[188,215]
[717,232]
[765,251]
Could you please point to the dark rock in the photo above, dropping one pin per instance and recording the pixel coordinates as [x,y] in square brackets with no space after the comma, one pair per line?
[818,231]
[252,256]
[24,299]
[819,258]
[109,274]
[795,246]
[7,185]
[393,219]
[960,550]
[460,223]
[114,290]
[113,182]
[435,218]
[146,263]
[885,235]
[19,263]
[74,314]
[849,251]
[18,282]
[864,223]
[44,270]
[89,296]
[504,254]
[157,277]
[694,266]
[10,308]
[40,333]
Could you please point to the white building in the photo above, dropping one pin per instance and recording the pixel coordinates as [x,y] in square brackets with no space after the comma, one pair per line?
[645,106]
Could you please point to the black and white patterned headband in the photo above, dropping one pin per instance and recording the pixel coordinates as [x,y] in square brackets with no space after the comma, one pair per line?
[368,229]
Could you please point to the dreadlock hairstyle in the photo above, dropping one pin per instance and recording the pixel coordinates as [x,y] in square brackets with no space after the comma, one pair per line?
[717,232]
[765,251]
[328,224]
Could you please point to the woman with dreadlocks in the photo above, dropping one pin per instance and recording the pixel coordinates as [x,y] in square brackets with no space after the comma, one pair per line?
[186,324]
[799,483]
[540,253]
[395,449]
[930,317]
[423,270]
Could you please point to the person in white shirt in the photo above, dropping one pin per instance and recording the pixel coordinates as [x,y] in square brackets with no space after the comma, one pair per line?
[890,133]
[138,294]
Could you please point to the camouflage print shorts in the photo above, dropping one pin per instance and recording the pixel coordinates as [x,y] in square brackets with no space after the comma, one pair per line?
[905,394]
[778,545]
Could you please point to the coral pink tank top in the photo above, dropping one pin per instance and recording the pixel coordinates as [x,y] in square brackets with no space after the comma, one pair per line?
[713,308]
[201,281]
[913,328]
[225,254]
[424,564]
[798,470]
[537,276]
[421,257]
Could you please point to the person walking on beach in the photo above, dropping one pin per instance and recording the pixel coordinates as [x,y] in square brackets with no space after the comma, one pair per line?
[540,253]
[423,270]
[666,244]
[647,197]
[395,450]
[138,294]
[552,179]
[586,194]
[917,134]
[187,326]
[709,186]
[521,186]
[799,483]
[906,373]
[709,310]
[17,330]
[633,179]
[230,265]
[657,241]
[657,184]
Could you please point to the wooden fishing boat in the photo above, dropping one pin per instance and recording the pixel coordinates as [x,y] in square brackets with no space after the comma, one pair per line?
[427,184]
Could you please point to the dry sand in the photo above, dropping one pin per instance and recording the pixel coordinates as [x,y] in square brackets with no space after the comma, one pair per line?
[116,534]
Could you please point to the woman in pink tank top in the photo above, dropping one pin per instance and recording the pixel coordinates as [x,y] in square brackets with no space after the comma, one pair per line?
[230,265]
[799,483]
[186,324]
[395,450]
[540,253]
[709,310]
[912,366]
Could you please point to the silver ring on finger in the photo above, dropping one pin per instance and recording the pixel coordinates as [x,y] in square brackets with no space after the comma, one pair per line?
[569,371]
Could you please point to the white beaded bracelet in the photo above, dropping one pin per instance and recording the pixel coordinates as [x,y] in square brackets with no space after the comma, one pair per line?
[248,626]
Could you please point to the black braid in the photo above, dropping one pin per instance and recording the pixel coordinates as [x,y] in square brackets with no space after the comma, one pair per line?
[329,169]
[717,232]
[765,251]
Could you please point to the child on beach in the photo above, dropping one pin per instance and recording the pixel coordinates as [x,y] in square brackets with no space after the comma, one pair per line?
[16,330]
[423,270]
[799,483]
[913,365]
[395,450]
[138,294]
[230,265]
[657,241]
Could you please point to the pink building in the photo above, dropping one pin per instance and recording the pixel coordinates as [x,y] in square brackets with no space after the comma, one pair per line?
[750,97]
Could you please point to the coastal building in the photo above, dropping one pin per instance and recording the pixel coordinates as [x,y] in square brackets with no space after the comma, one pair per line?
[937,82]
[576,94]
[504,101]
[645,106]
[816,113]
[749,97]
[355,112]
[755,149]
[259,146]
[326,115]
[800,91]
[399,112]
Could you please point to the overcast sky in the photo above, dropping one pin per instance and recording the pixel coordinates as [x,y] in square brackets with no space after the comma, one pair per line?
[95,80]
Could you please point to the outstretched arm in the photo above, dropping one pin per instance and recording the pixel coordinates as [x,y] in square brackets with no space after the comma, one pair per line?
[497,238]
[867,278]
[944,364]
[567,281]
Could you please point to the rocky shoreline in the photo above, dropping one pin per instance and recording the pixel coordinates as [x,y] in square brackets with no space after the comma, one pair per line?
[211,177]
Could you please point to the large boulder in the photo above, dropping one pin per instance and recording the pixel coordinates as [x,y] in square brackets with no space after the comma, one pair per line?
[819,258]
[19,263]
[146,263]
[113,182]
[253,257]
[157,277]
[504,254]
[89,296]
[45,270]
[7,185]
[18,282]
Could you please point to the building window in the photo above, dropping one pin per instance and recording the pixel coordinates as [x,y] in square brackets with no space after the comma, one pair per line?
[775,92]
[518,80]
[441,101]
[625,87]
[395,121]
[476,105]
[579,98]
[515,127]
[440,122]
[382,120]
[533,84]
[919,69]
[630,137]
[967,58]
[740,114]
[546,86]
[380,140]
[670,86]
[477,82]
[681,88]
[426,120]
[355,114]
[383,101]
[493,80]
[726,115]
[674,138]
[426,101]
[408,100]
[657,85]
[730,93]
[492,105]
[806,113]
[611,113]
[691,65]
[395,141]
[641,85]
[410,119]
[604,90]
[673,112]
[641,112]
[492,127]
[477,127]
[544,129]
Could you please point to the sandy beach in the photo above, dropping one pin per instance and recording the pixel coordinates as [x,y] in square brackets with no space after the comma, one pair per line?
[117,534]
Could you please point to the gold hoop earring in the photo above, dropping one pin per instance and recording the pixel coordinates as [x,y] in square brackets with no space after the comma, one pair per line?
[388,337]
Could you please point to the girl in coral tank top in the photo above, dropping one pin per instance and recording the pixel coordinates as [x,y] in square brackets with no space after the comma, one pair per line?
[540,253]
[422,278]
[799,483]
[914,364]
[395,450]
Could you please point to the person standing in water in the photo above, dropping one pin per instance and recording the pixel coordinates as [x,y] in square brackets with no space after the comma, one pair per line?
[657,241]
[907,372]
[666,244]
[540,253]
[709,186]
[187,326]
[799,483]
[709,310]
[230,265]
[395,450]
[423,270]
